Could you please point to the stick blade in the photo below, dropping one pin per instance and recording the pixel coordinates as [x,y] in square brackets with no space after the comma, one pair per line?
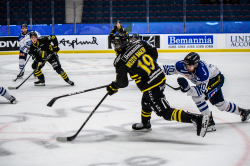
[177,88]
[51,102]
[61,139]
[11,88]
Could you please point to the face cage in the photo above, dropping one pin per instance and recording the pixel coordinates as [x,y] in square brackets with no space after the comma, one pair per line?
[33,37]
[195,65]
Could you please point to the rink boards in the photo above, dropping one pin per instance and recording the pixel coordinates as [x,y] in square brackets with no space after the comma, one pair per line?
[164,42]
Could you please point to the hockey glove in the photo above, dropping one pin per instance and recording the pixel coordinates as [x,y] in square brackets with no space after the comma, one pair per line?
[111,89]
[183,84]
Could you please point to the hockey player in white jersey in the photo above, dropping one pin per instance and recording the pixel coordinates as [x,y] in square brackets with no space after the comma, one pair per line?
[24,46]
[5,94]
[208,80]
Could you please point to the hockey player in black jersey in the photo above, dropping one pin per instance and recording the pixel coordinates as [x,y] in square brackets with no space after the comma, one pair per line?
[138,59]
[119,29]
[45,49]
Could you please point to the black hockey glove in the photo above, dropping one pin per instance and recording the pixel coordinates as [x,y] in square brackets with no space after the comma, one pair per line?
[112,89]
[183,84]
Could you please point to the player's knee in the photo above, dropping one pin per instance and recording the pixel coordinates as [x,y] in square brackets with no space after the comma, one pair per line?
[22,56]
[59,70]
[34,65]
[222,106]
[167,113]
[161,106]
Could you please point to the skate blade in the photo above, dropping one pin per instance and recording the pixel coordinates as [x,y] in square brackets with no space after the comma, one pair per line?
[14,102]
[242,119]
[211,128]
[142,130]
[40,85]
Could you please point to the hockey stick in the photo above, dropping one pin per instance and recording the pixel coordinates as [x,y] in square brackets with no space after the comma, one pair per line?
[11,88]
[65,139]
[173,87]
[70,94]
[14,80]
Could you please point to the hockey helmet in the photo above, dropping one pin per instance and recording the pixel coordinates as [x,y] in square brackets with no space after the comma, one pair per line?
[120,41]
[136,36]
[24,26]
[118,21]
[192,59]
[33,33]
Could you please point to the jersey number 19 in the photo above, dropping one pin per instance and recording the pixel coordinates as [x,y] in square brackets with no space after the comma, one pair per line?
[147,64]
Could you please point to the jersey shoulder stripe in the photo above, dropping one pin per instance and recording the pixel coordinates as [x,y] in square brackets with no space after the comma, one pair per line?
[180,67]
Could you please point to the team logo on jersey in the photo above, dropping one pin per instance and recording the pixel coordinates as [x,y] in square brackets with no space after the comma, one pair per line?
[210,94]
[205,73]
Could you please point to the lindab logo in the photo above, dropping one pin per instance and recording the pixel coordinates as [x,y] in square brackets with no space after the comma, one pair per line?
[197,39]
[240,41]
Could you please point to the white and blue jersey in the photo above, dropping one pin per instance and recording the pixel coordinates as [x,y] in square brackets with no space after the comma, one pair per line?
[24,41]
[201,76]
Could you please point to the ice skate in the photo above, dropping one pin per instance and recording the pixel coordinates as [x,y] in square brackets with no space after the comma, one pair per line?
[244,114]
[13,100]
[142,127]
[39,83]
[70,82]
[20,76]
[211,124]
[201,121]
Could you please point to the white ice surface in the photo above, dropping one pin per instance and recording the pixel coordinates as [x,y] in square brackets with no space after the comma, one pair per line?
[28,130]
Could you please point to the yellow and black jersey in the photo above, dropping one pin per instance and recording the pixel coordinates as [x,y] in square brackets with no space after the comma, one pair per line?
[118,30]
[139,60]
[48,44]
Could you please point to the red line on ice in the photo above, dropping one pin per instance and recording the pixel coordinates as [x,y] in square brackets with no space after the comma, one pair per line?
[4,126]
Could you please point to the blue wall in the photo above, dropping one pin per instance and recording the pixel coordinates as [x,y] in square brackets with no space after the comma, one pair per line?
[154,28]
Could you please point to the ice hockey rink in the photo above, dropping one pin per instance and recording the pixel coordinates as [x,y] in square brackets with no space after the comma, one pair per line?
[28,130]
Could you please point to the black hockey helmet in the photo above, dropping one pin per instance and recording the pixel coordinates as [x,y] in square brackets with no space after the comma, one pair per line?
[192,59]
[136,36]
[118,21]
[24,26]
[120,41]
[33,33]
